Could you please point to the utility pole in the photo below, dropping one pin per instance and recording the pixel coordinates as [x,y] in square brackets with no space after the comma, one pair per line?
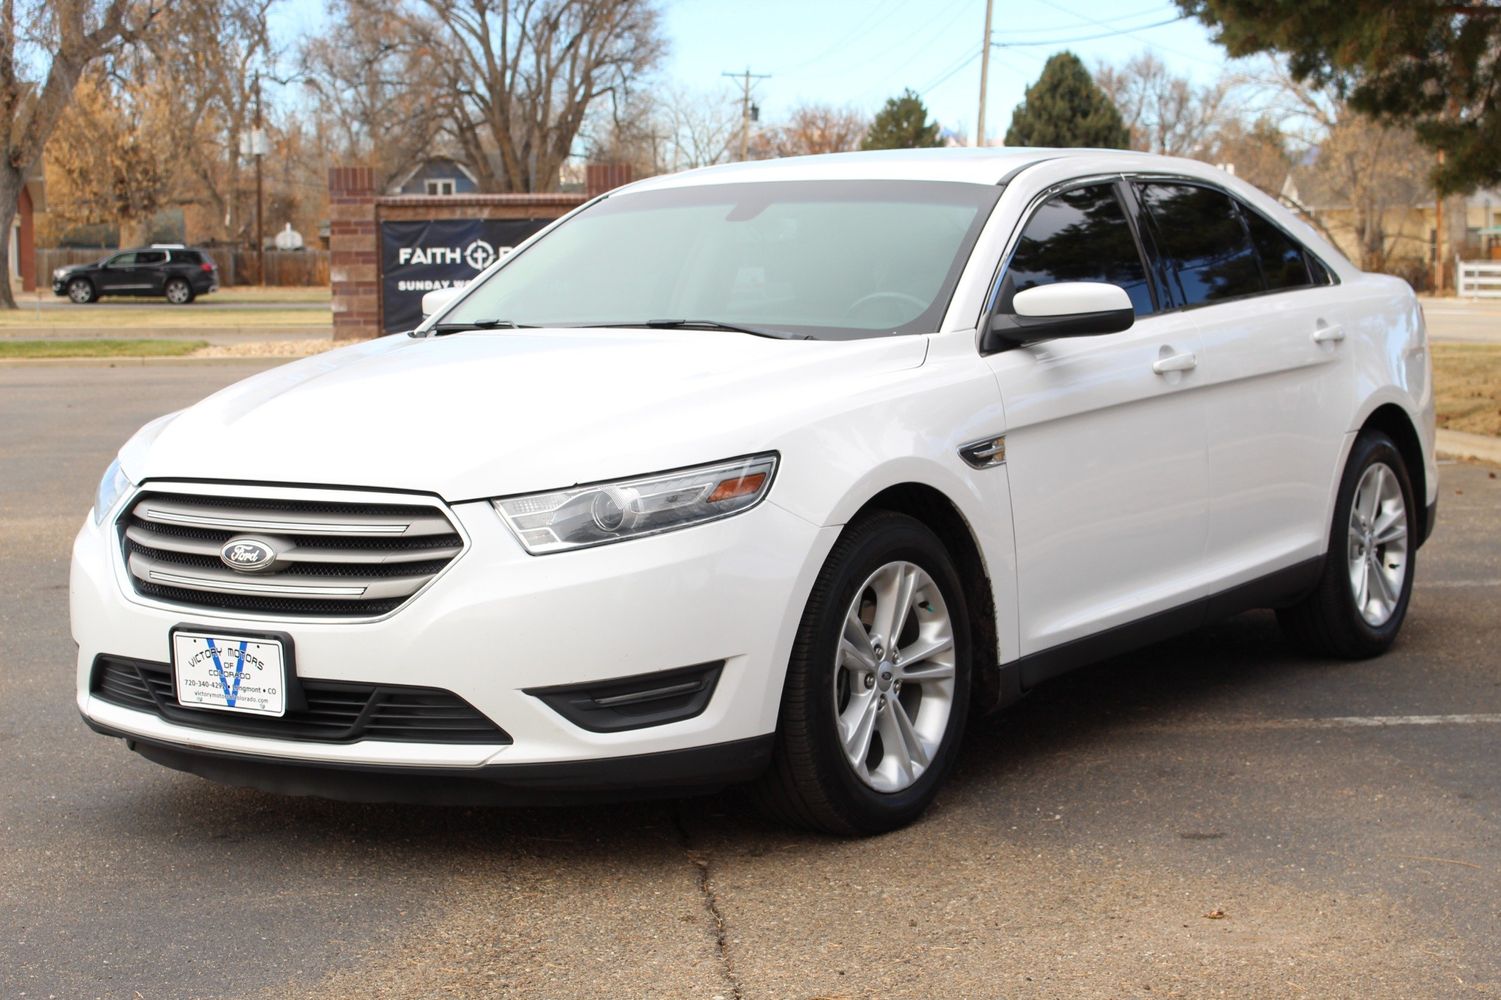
[257,144]
[984,74]
[748,111]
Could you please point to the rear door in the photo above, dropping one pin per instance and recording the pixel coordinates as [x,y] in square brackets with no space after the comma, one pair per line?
[149,274]
[1272,371]
[1105,444]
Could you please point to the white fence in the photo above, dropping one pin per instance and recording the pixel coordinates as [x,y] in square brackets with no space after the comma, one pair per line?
[1478,279]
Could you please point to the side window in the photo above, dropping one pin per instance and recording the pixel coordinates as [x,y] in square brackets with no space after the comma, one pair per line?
[1283,263]
[122,260]
[1078,235]
[1319,272]
[151,257]
[1203,243]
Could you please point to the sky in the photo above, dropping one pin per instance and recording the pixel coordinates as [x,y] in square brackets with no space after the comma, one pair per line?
[860,52]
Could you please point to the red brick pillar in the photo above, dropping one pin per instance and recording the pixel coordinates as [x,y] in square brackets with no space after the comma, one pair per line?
[602,177]
[352,268]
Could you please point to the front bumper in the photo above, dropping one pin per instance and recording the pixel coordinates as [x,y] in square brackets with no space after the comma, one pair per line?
[496,623]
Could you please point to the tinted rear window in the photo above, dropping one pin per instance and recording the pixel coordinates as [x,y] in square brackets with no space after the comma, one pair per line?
[1282,259]
[187,256]
[1203,242]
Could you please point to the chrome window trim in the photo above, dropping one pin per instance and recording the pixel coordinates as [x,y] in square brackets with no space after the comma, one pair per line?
[987,305]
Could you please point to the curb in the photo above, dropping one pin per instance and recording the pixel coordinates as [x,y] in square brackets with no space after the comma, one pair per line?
[1459,444]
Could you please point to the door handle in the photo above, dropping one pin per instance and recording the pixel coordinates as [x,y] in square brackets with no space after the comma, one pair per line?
[1327,334]
[1184,362]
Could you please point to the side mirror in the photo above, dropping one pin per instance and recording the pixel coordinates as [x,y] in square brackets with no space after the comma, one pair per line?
[439,299]
[1063,309]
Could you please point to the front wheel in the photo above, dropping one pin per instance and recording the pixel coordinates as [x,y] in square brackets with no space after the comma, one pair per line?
[179,292]
[878,684]
[1361,600]
[81,291]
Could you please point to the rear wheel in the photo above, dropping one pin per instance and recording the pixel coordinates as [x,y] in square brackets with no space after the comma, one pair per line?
[81,291]
[1361,600]
[878,684]
[178,291]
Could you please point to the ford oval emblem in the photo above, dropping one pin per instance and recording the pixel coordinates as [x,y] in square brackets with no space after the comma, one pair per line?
[248,555]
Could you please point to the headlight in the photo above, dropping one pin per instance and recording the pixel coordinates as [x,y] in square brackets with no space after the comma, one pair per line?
[633,508]
[111,488]
[59,273]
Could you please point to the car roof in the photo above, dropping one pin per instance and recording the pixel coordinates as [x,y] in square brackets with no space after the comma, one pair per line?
[985,165]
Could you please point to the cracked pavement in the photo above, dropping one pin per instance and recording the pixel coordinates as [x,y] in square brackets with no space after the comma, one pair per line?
[1213,816]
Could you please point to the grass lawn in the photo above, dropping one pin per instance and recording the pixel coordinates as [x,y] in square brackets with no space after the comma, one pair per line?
[98,348]
[255,293]
[152,316]
[1467,387]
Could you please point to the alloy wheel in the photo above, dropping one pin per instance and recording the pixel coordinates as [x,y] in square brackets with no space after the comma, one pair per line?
[1377,547]
[894,676]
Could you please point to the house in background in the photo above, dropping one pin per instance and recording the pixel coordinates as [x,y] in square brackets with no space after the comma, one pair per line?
[436,175]
[22,237]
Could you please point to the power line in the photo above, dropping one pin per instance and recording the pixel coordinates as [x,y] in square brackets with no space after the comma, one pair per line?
[1088,38]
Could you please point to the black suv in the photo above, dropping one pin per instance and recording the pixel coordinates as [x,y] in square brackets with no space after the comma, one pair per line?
[176,272]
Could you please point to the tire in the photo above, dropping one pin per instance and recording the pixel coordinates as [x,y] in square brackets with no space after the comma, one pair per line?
[846,688]
[178,291]
[1361,599]
[81,291]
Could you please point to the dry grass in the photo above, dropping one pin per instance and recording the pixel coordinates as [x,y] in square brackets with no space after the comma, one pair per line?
[1467,387]
[99,348]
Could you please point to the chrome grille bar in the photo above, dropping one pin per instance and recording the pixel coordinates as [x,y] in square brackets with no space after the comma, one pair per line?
[333,558]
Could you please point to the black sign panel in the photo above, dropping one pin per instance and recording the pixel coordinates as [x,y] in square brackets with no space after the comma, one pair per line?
[420,257]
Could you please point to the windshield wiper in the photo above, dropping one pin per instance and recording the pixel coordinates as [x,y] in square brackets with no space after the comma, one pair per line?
[714,324]
[478,324]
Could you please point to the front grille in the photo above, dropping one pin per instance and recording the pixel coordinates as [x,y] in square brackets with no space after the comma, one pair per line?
[335,712]
[333,559]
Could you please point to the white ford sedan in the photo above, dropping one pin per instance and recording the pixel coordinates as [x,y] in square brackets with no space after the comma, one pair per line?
[771,473]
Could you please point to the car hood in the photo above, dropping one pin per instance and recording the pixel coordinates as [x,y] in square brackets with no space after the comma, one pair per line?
[500,412]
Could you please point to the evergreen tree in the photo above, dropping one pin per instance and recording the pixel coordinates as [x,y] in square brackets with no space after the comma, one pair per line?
[1066,108]
[902,124]
[1426,64]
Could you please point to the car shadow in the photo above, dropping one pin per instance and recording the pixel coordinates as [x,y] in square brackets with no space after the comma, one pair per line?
[1209,674]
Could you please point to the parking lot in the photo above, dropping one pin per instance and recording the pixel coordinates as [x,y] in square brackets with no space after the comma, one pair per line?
[1214,816]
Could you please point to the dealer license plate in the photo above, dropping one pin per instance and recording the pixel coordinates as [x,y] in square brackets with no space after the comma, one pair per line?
[231,673]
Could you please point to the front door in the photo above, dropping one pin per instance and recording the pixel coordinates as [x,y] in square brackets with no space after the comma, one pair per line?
[1105,438]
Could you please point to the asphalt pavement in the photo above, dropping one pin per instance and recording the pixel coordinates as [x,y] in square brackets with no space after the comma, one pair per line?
[1214,816]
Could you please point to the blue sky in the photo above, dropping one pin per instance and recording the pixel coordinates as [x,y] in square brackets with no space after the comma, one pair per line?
[859,52]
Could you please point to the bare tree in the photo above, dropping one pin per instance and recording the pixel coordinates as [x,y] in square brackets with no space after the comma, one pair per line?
[1258,152]
[378,101]
[815,128]
[44,49]
[521,76]
[1164,112]
[1373,171]
[210,57]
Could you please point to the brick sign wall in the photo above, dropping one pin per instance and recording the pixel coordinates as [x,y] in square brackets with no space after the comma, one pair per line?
[357,213]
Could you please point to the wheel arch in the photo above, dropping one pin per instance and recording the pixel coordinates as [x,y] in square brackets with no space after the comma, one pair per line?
[1393,421]
[936,511]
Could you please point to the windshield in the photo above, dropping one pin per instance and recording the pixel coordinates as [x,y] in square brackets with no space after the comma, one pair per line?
[826,259]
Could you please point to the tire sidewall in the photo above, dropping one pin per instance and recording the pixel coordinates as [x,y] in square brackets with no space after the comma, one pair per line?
[888,538]
[188,295]
[84,283]
[1369,449]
